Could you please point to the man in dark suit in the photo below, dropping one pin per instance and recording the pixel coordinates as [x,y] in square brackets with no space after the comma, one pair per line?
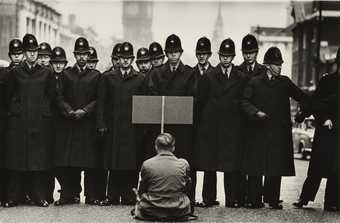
[221,122]
[268,149]
[251,68]
[30,93]
[324,148]
[15,53]
[121,137]
[76,142]
[203,66]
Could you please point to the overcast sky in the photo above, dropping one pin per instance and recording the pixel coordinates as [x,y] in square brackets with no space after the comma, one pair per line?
[189,19]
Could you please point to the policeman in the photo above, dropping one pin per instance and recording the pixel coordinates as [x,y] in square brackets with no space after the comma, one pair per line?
[29,144]
[58,60]
[156,54]
[114,57]
[203,66]
[114,122]
[250,49]
[93,59]
[15,52]
[44,54]
[143,61]
[268,148]
[325,147]
[76,142]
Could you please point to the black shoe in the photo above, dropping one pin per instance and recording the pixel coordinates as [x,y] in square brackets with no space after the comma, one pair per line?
[10,204]
[203,204]
[42,203]
[300,203]
[330,208]
[234,204]
[92,201]
[276,206]
[63,201]
[254,205]
[108,202]
[213,203]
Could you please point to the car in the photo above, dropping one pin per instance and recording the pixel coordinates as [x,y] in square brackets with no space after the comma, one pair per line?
[303,135]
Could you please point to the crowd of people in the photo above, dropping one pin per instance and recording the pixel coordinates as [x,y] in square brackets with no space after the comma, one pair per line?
[57,121]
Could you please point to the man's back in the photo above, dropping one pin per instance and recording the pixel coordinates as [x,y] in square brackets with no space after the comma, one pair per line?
[165,173]
[163,189]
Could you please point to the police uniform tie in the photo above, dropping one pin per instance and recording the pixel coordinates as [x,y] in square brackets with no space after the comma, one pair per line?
[202,70]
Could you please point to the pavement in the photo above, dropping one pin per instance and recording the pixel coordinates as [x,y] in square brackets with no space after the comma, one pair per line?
[290,190]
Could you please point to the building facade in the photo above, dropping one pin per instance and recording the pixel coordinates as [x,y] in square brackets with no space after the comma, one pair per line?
[315,28]
[18,17]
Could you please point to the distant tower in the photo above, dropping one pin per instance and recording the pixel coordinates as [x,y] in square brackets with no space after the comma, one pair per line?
[137,22]
[218,34]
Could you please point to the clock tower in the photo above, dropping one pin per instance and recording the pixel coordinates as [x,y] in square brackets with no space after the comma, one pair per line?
[137,22]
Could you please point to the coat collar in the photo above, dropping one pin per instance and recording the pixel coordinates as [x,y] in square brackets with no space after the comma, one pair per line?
[233,79]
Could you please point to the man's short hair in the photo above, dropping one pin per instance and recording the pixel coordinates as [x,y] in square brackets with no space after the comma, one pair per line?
[165,141]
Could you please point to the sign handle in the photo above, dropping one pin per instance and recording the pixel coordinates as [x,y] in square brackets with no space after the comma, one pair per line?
[162,115]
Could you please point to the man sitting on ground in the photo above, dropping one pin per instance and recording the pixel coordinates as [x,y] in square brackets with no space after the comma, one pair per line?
[165,184]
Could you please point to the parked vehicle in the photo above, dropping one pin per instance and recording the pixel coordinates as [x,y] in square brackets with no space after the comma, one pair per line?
[303,135]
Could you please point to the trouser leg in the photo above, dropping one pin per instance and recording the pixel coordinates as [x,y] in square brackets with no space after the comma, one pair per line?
[272,188]
[130,181]
[40,185]
[113,190]
[15,186]
[310,188]
[232,187]
[331,192]
[193,176]
[3,184]
[255,189]
[69,179]
[209,192]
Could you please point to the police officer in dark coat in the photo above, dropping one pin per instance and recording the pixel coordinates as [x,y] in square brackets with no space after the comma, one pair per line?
[114,57]
[15,54]
[30,93]
[175,79]
[101,173]
[143,61]
[251,68]
[324,148]
[93,59]
[77,140]
[203,53]
[114,121]
[250,49]
[269,146]
[220,128]
[44,57]
[44,54]
[156,54]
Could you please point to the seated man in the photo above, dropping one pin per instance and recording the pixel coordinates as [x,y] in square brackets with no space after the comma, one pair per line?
[165,184]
